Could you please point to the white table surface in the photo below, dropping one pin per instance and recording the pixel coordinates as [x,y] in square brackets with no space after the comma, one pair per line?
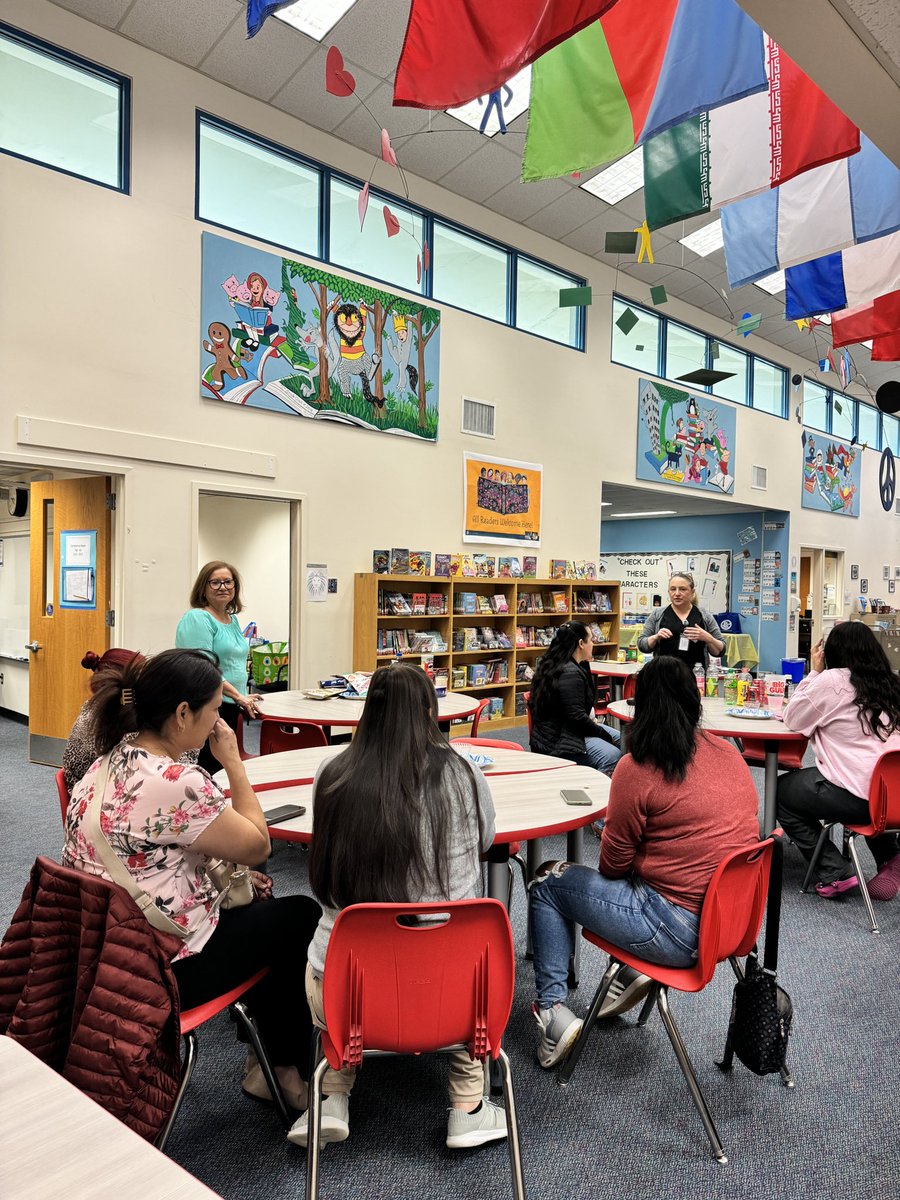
[617,670]
[287,705]
[56,1144]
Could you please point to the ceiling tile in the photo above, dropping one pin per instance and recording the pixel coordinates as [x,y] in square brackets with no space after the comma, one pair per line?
[519,200]
[259,66]
[362,128]
[156,24]
[304,94]
[633,206]
[101,12]
[376,28]
[588,238]
[438,149]
[484,172]
[566,214]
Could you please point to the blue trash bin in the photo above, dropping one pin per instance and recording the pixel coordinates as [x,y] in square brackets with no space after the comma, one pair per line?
[794,667]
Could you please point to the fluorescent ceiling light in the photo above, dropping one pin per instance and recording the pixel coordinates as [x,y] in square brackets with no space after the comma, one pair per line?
[620,180]
[315,18]
[661,512]
[704,241]
[773,284]
[513,106]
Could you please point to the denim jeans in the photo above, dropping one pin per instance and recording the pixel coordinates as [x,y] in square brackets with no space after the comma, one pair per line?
[624,911]
[599,753]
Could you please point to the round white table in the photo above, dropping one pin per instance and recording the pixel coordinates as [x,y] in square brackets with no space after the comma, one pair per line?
[617,671]
[716,720]
[294,706]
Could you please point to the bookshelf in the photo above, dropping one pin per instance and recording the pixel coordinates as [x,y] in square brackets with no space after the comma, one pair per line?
[474,629]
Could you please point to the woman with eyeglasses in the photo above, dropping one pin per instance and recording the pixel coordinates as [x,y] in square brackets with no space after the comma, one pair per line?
[682,629]
[211,624]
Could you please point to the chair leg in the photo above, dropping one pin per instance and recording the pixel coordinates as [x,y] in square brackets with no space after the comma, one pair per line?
[826,829]
[647,1006]
[187,1067]
[252,1030]
[854,854]
[571,1061]
[662,1003]
[512,1127]
[315,1122]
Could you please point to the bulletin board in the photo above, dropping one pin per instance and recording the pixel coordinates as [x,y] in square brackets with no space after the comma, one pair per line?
[643,575]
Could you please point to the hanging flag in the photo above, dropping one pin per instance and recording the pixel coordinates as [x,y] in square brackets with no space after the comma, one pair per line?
[887,348]
[879,319]
[847,279]
[259,10]
[745,147]
[457,50]
[844,370]
[637,71]
[849,201]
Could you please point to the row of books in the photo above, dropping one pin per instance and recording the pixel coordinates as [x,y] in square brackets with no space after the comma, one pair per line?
[548,602]
[400,561]
[469,637]
[534,635]
[495,670]
[600,631]
[474,602]
[410,641]
[591,601]
[567,568]
[415,604]
[524,672]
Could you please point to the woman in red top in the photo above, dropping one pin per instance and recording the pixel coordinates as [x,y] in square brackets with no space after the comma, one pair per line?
[679,802]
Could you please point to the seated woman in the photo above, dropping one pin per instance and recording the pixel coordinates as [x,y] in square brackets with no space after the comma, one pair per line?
[563,695]
[849,708]
[399,816]
[165,821]
[679,802]
[682,628]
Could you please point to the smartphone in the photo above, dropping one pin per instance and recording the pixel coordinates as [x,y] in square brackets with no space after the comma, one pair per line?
[576,796]
[284,812]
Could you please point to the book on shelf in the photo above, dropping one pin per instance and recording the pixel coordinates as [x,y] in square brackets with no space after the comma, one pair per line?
[494,710]
[499,603]
[557,568]
[381,561]
[465,602]
[529,566]
[420,562]
[477,675]
[456,641]
[488,638]
[604,603]
[442,566]
[467,566]
[398,604]
[458,677]
[496,670]
[560,602]
[524,672]
[456,565]
[503,641]
[521,637]
[441,680]
[419,604]
[436,604]
[509,567]
[399,561]
[520,704]
[484,604]
[590,570]
[484,565]
[428,641]
[471,638]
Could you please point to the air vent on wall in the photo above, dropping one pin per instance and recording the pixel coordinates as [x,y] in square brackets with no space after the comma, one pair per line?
[478,417]
[897,507]
[759,478]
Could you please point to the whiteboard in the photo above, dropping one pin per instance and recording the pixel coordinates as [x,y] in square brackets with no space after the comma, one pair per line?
[644,575]
[14,575]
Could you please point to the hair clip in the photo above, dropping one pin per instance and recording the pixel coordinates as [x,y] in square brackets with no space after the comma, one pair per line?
[127,697]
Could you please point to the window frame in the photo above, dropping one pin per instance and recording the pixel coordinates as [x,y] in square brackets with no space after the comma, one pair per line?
[88,67]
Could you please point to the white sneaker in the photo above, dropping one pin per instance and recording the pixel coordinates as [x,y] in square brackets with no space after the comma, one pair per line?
[334,1126]
[465,1129]
[627,990]
[559,1030]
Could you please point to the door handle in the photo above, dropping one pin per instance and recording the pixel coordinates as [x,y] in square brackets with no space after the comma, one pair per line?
[33,647]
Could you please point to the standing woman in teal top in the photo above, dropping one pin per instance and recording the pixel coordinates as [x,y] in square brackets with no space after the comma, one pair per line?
[211,624]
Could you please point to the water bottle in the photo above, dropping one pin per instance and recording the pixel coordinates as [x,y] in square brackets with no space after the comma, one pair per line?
[731,689]
[743,689]
[700,680]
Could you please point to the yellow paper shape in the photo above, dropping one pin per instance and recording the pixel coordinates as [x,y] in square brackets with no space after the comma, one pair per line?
[645,246]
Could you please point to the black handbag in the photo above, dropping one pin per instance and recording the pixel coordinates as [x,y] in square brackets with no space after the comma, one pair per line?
[761,1012]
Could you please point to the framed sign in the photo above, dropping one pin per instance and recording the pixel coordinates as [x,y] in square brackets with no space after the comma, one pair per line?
[502,501]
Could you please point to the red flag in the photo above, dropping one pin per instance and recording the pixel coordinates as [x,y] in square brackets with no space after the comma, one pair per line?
[880,318]
[456,50]
[887,348]
[808,129]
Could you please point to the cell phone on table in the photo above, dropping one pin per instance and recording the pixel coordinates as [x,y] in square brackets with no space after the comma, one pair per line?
[576,796]
[284,812]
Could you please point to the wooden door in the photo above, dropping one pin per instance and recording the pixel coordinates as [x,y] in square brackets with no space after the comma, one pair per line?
[69,604]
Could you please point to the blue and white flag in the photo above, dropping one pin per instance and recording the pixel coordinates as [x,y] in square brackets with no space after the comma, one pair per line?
[259,10]
[847,279]
[853,200]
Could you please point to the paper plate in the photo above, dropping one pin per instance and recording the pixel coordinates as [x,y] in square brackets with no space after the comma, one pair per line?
[751,714]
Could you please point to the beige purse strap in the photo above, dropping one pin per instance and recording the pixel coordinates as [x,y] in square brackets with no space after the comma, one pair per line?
[115,868]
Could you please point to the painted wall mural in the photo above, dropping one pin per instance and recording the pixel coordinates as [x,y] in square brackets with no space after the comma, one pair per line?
[831,474]
[685,439]
[290,337]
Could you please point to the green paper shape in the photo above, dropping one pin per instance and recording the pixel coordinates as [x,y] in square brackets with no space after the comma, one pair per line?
[575,297]
[620,243]
[627,321]
[838,406]
[713,350]
[704,377]
[658,294]
[749,324]
[639,349]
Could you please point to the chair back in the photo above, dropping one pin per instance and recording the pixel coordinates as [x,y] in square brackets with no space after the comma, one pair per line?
[526,696]
[476,720]
[733,907]
[490,743]
[239,736]
[790,751]
[628,686]
[274,737]
[884,794]
[62,789]
[408,988]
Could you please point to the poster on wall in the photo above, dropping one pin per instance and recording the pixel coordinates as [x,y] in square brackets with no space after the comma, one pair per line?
[78,568]
[644,577]
[831,474]
[502,501]
[685,439]
[292,338]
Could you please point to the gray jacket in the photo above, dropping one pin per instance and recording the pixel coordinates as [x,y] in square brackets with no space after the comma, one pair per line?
[653,622]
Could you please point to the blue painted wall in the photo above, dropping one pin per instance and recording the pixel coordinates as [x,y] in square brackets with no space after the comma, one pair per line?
[719,533]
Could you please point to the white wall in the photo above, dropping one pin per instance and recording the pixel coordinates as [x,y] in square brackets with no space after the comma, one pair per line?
[14,613]
[127,403]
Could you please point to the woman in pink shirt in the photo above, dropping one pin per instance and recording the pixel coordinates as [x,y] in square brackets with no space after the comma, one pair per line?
[849,708]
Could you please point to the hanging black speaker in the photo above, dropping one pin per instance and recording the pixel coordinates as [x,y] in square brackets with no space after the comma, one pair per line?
[888,396]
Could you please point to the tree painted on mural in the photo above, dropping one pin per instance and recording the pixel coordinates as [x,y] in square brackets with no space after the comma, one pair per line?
[424,321]
[318,282]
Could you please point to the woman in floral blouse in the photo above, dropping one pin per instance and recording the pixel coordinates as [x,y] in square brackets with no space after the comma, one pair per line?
[165,820]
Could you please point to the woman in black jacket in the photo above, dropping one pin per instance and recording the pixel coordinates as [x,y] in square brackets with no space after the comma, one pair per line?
[563,695]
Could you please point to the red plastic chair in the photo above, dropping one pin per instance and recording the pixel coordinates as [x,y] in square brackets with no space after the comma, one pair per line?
[392,988]
[193,1018]
[63,790]
[628,686]
[790,752]
[239,735]
[604,694]
[884,817]
[729,924]
[490,743]
[274,737]
[476,720]
[527,698]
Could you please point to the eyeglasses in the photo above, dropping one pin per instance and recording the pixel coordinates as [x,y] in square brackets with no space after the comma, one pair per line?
[221,584]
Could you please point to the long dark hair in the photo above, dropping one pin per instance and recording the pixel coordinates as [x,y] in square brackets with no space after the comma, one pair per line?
[549,669]
[666,716]
[145,692]
[198,591]
[385,806]
[854,646]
